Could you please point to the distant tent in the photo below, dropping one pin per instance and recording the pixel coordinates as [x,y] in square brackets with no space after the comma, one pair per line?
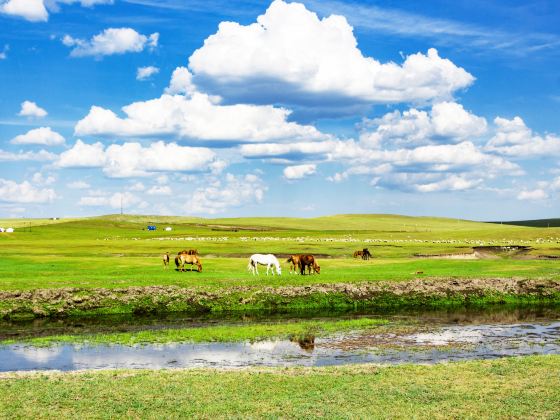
[9,230]
[151,227]
[168,228]
[2,229]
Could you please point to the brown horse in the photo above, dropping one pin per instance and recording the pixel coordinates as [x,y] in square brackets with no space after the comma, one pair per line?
[182,259]
[358,254]
[294,264]
[166,260]
[308,261]
[188,252]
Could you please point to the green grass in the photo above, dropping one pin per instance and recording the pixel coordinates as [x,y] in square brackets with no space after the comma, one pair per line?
[527,387]
[222,333]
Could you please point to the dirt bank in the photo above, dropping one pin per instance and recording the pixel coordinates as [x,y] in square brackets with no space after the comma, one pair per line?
[75,301]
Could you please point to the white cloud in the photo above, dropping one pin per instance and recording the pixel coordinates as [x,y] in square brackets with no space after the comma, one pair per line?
[4,52]
[532,195]
[196,117]
[41,155]
[138,186]
[31,10]
[293,55]
[111,41]
[37,10]
[144,73]
[43,135]
[114,201]
[39,179]
[514,138]
[78,185]
[133,159]
[160,190]
[451,183]
[181,82]
[82,155]
[225,193]
[31,109]
[299,171]
[12,192]
[447,121]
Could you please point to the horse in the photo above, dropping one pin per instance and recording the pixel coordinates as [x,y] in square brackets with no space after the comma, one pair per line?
[166,260]
[309,262]
[366,255]
[182,259]
[269,260]
[294,264]
[188,252]
[358,254]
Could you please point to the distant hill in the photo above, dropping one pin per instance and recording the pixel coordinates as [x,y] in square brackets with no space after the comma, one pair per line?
[533,223]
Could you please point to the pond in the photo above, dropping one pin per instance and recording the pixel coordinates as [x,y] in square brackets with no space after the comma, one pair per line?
[410,337]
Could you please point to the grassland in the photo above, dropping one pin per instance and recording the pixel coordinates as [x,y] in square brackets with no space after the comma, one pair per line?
[115,252]
[219,333]
[507,388]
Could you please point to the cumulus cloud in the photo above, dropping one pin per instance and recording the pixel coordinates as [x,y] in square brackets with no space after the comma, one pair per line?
[134,160]
[41,155]
[144,73]
[111,41]
[446,122]
[43,135]
[31,10]
[39,179]
[225,193]
[36,10]
[31,109]
[514,138]
[532,195]
[290,54]
[12,192]
[82,155]
[181,82]
[299,171]
[196,117]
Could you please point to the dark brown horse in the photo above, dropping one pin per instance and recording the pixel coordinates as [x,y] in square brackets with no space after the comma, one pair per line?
[366,255]
[308,261]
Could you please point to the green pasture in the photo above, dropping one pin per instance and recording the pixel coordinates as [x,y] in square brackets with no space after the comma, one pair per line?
[117,251]
[525,387]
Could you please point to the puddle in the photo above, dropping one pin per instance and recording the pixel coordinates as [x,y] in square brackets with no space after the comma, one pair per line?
[411,337]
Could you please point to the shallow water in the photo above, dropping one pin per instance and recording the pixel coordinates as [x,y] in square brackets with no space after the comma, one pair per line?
[433,337]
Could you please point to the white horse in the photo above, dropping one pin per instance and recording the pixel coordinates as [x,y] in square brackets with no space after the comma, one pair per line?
[269,260]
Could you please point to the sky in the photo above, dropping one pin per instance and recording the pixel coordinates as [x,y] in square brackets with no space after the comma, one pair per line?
[257,108]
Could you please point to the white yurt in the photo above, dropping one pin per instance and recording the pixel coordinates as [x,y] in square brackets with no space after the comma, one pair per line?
[9,230]
[2,229]
[168,228]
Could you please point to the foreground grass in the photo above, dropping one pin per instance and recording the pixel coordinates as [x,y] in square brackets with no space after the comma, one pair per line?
[527,387]
[224,333]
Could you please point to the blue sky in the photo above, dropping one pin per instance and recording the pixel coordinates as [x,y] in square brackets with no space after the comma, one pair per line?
[251,108]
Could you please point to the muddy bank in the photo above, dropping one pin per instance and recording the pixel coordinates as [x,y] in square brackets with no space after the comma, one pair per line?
[161,299]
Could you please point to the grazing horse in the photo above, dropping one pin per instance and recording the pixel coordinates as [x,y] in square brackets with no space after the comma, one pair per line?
[269,260]
[294,264]
[308,261]
[358,254]
[189,252]
[182,259]
[366,255]
[166,260]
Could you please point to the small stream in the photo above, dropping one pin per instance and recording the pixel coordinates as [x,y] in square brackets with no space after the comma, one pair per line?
[410,337]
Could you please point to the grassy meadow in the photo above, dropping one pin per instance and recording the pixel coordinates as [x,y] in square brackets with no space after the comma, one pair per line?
[117,251]
[527,387]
